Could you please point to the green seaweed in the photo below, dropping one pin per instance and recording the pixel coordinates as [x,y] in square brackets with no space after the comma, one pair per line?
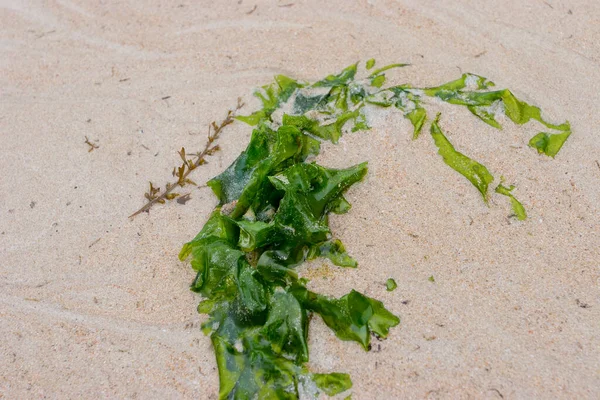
[271,96]
[335,251]
[477,101]
[333,383]
[453,87]
[476,173]
[378,81]
[245,181]
[343,78]
[390,285]
[352,317]
[404,99]
[341,99]
[377,78]
[549,144]
[417,118]
[387,67]
[273,215]
[331,131]
[244,258]
[517,207]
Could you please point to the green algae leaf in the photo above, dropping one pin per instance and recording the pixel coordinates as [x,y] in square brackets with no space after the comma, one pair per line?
[254,373]
[357,92]
[378,81]
[311,147]
[262,358]
[296,220]
[286,327]
[229,185]
[272,96]
[339,205]
[331,131]
[352,317]
[254,118]
[308,193]
[382,98]
[277,265]
[360,123]
[484,114]
[463,82]
[259,336]
[343,78]
[517,207]
[215,264]
[333,250]
[254,234]
[403,99]
[417,117]
[476,173]
[479,102]
[390,285]
[431,279]
[370,63]
[520,112]
[215,228]
[252,297]
[214,255]
[318,184]
[304,102]
[549,144]
[341,97]
[332,384]
[387,67]
[247,176]
[301,122]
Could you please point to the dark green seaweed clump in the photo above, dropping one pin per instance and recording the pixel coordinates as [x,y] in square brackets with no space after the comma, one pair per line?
[273,215]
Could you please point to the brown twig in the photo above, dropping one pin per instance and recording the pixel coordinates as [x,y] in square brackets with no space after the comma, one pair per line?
[154,195]
[92,145]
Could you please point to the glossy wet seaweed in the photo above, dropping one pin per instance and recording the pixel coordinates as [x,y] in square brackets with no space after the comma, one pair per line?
[272,216]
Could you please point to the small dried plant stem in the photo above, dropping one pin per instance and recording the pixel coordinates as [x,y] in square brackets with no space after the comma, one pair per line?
[188,166]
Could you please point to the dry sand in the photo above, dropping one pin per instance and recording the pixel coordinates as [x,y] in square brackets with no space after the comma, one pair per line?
[94,305]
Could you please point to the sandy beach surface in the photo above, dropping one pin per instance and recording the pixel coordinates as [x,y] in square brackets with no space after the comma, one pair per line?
[95,305]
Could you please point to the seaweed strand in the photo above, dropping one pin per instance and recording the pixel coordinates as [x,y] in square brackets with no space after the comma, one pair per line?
[154,195]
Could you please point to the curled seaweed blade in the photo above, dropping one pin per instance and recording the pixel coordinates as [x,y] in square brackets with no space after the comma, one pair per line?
[476,173]
[343,78]
[387,67]
[517,207]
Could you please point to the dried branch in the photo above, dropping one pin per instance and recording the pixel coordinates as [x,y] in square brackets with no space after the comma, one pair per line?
[154,194]
[92,145]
